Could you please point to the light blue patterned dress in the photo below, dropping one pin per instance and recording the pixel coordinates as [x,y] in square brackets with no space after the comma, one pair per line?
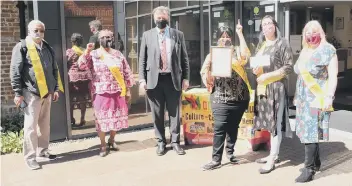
[312,124]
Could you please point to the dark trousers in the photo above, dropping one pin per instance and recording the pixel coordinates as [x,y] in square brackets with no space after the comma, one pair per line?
[312,156]
[165,92]
[227,117]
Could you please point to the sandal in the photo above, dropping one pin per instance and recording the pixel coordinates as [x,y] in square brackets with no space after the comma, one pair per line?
[112,145]
[103,152]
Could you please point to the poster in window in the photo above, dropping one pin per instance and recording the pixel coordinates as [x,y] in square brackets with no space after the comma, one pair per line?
[339,23]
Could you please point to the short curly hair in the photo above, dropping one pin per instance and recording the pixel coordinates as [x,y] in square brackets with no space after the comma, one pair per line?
[77,39]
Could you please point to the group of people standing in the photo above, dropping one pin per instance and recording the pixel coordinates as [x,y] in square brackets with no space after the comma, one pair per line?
[316,68]
[164,74]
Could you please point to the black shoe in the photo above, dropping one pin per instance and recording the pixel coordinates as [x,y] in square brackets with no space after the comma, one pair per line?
[306,176]
[177,148]
[47,155]
[316,170]
[264,171]
[32,164]
[160,150]
[211,166]
[232,158]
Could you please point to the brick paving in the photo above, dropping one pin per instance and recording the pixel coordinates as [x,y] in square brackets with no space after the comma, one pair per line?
[136,164]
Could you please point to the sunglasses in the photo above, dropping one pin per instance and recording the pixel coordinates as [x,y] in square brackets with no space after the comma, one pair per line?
[41,31]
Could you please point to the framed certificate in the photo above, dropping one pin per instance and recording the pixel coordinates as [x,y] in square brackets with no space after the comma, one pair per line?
[221,59]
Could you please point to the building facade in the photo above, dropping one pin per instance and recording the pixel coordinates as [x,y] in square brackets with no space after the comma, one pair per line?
[198,20]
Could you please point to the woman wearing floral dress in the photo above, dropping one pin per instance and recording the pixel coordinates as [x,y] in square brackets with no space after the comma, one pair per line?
[112,80]
[79,79]
[271,104]
[317,69]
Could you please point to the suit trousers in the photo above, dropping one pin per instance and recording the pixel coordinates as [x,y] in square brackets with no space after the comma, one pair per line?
[227,117]
[165,94]
[36,125]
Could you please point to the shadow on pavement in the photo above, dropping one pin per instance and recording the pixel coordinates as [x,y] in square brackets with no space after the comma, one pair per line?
[332,154]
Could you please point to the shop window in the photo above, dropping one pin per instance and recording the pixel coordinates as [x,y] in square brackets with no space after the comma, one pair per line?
[222,15]
[144,7]
[160,3]
[144,24]
[131,9]
[192,3]
[178,4]
[131,44]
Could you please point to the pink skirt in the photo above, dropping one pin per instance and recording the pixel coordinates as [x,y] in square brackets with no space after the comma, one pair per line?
[111,112]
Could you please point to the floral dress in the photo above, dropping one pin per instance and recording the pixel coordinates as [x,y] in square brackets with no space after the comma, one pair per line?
[312,124]
[110,109]
[267,107]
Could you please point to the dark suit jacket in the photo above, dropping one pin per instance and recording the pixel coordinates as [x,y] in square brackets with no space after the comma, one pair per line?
[149,58]
[95,39]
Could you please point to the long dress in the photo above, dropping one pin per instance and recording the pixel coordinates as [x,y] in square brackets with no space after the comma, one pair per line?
[312,124]
[267,107]
[110,109]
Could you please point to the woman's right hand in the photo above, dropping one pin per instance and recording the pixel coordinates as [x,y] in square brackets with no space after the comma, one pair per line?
[256,70]
[90,47]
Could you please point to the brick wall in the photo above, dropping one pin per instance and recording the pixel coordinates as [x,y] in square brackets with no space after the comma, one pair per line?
[10,35]
[102,10]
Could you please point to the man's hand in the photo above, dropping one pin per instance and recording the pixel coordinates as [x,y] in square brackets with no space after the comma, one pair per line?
[185,84]
[143,85]
[18,100]
[55,96]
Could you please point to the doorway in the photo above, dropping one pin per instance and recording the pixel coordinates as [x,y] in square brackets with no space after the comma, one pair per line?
[188,21]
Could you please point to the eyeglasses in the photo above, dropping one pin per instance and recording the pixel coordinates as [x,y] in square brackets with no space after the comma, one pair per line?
[41,31]
[267,24]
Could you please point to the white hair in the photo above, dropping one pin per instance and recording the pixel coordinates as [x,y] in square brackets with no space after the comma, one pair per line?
[34,23]
[162,9]
[317,27]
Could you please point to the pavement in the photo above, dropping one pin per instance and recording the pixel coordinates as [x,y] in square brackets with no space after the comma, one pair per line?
[136,164]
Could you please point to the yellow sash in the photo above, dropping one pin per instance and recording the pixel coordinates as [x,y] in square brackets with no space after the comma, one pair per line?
[77,50]
[115,71]
[238,68]
[39,71]
[314,87]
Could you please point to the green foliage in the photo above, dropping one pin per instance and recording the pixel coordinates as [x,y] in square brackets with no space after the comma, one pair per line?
[11,142]
[12,133]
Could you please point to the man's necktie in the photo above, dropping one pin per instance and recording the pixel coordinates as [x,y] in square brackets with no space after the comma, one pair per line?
[163,65]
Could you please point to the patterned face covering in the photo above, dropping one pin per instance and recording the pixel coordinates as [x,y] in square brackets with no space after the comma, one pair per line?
[313,39]
[224,42]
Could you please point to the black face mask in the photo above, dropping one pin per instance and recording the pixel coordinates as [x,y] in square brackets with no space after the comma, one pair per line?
[105,43]
[161,23]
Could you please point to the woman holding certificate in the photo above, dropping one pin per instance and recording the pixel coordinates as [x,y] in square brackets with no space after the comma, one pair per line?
[272,64]
[229,95]
[112,79]
[317,68]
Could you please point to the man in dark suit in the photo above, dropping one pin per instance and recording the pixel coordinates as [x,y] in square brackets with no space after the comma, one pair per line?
[164,73]
[95,27]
